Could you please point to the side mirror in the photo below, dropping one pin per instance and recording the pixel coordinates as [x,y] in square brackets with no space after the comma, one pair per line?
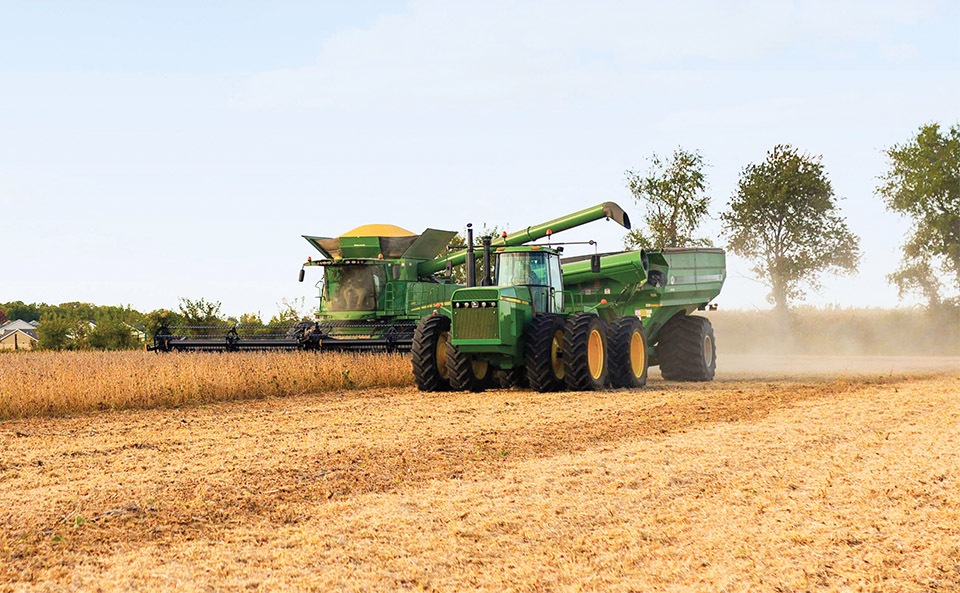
[595,263]
[449,269]
[301,275]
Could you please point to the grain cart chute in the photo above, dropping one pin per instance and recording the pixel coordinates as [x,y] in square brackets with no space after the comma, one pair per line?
[584,323]
[379,280]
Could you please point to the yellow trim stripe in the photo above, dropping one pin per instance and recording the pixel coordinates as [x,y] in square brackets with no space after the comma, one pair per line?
[513,300]
[430,306]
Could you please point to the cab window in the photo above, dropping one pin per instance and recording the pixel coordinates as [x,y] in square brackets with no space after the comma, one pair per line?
[522,269]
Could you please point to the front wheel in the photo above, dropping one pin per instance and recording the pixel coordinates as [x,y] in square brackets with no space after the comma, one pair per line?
[628,353]
[429,353]
[585,355]
[465,372]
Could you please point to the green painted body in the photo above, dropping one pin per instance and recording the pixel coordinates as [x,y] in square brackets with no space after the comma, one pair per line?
[494,332]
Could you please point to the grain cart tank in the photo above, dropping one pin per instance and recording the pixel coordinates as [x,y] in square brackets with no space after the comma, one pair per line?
[379,280]
[584,323]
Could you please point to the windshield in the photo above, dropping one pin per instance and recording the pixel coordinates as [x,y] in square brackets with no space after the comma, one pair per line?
[353,288]
[522,269]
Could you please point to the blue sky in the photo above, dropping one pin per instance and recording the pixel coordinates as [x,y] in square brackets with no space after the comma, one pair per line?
[156,150]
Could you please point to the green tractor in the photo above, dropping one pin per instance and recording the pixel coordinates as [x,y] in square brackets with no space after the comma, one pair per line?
[582,323]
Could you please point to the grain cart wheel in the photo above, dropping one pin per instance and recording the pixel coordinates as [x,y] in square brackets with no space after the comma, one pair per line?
[543,353]
[586,359]
[465,372]
[508,378]
[687,349]
[628,353]
[429,353]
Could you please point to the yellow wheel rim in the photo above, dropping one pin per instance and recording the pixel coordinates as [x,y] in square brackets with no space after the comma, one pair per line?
[442,354]
[638,355]
[480,368]
[595,354]
[556,350]
[708,350]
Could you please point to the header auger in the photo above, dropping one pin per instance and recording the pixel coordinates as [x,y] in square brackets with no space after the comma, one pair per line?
[378,281]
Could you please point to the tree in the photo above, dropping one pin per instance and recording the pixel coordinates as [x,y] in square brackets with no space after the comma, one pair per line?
[3,317]
[200,312]
[20,310]
[923,183]
[673,194]
[290,313]
[111,334]
[784,217]
[53,333]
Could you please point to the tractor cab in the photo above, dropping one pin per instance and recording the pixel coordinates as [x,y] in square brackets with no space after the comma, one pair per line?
[535,268]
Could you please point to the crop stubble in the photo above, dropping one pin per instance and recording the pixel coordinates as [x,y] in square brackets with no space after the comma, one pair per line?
[790,486]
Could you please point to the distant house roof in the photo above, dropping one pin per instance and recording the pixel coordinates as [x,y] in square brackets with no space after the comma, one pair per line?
[17,324]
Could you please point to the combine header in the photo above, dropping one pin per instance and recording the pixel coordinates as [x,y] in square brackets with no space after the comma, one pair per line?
[378,282]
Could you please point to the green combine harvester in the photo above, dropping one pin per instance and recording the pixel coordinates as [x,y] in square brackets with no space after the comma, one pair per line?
[582,323]
[378,282]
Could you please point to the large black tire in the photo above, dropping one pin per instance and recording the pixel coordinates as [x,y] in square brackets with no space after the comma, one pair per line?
[628,353]
[509,378]
[429,353]
[465,373]
[687,349]
[543,353]
[585,353]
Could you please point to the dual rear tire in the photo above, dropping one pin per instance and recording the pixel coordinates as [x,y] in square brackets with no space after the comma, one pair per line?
[687,349]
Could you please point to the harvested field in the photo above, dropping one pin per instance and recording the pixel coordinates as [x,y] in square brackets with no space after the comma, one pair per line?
[812,483]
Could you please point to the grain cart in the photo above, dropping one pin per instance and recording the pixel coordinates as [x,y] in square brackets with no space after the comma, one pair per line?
[582,323]
[378,281]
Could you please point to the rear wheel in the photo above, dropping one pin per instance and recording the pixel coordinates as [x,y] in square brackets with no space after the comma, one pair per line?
[687,349]
[585,355]
[543,353]
[628,353]
[465,372]
[429,353]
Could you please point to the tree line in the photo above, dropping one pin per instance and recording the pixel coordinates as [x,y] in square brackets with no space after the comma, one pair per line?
[784,217]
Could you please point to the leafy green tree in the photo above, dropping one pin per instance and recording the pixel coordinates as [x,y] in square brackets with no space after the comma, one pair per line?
[111,334]
[673,195]
[20,310]
[53,333]
[923,183]
[785,219]
[200,312]
[291,312]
